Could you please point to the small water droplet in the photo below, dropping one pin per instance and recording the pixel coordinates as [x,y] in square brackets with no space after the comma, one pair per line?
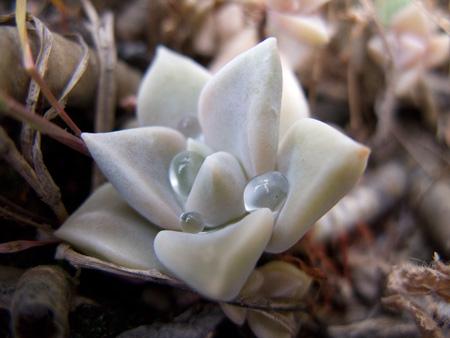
[268,190]
[183,170]
[192,222]
[189,126]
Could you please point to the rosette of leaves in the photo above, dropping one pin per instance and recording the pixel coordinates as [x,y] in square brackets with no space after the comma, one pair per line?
[222,169]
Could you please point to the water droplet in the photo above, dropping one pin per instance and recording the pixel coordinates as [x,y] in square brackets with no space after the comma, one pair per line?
[191,222]
[189,126]
[183,170]
[268,190]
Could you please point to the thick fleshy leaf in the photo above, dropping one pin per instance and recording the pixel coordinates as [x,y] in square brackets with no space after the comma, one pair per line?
[276,324]
[198,147]
[170,90]
[217,193]
[293,101]
[106,227]
[412,19]
[238,314]
[308,28]
[321,165]
[283,280]
[438,49]
[240,107]
[217,263]
[136,162]
[234,313]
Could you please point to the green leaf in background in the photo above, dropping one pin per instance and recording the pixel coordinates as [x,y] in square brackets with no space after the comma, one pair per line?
[386,9]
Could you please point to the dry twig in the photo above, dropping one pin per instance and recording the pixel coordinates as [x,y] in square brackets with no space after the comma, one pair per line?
[102,31]
[10,153]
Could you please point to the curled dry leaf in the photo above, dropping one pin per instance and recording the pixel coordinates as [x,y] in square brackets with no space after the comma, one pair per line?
[62,62]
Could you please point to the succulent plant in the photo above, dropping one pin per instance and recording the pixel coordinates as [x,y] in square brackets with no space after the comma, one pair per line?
[300,28]
[219,172]
[412,43]
[276,280]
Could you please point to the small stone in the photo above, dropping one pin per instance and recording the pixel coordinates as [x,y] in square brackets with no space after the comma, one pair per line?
[268,190]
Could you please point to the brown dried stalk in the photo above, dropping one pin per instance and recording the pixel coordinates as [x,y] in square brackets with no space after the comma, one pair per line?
[30,139]
[102,31]
[14,109]
[30,67]
[21,245]
[21,218]
[10,153]
[45,46]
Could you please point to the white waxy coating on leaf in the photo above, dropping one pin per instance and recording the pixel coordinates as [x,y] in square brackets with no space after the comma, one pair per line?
[217,263]
[198,147]
[321,165]
[217,192]
[240,107]
[293,101]
[170,89]
[136,162]
[107,228]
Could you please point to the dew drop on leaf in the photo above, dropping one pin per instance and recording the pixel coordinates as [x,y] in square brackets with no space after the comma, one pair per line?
[192,222]
[268,190]
[183,170]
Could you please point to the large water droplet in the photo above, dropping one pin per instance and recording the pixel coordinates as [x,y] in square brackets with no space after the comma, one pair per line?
[189,127]
[192,222]
[183,170]
[268,190]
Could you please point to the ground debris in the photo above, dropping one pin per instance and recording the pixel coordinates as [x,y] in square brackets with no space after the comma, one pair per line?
[41,303]
[380,327]
[197,322]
